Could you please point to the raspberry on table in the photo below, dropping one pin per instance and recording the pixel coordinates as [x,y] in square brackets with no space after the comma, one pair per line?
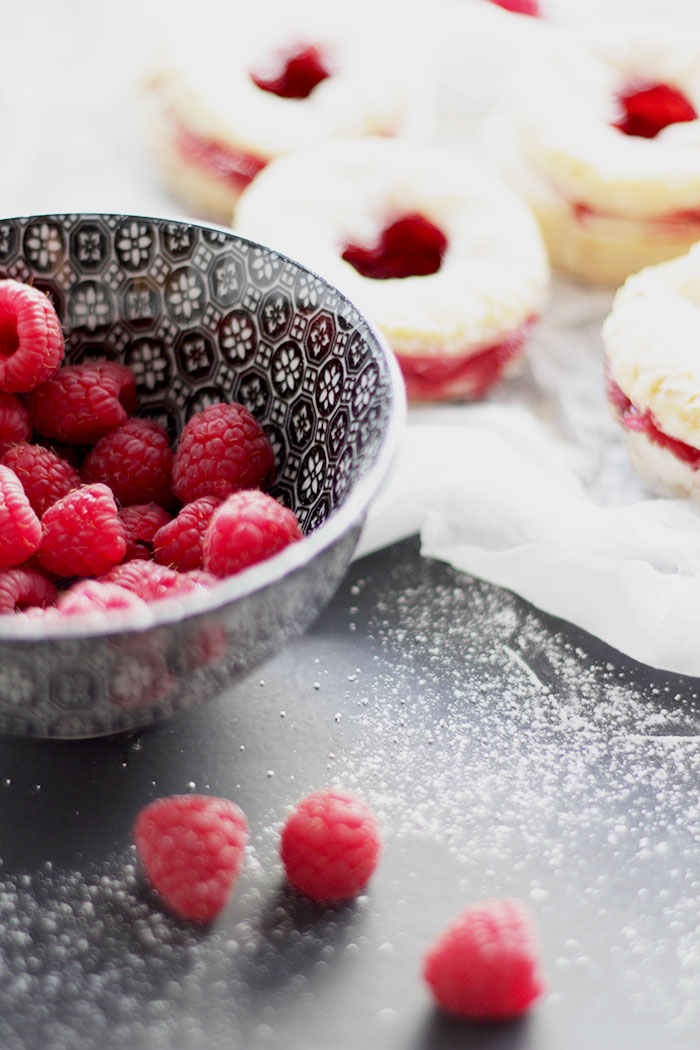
[31,340]
[247,528]
[221,450]
[330,845]
[484,965]
[151,581]
[82,402]
[89,596]
[179,543]
[135,460]
[141,522]
[20,528]
[45,476]
[82,533]
[22,588]
[191,848]
[15,424]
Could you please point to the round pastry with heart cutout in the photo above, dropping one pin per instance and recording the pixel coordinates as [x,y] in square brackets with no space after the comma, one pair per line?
[445,260]
[653,373]
[604,142]
[286,76]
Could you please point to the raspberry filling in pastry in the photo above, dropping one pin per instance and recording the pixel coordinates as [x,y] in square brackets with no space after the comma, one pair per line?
[643,423]
[648,108]
[431,378]
[235,166]
[293,74]
[411,246]
[676,218]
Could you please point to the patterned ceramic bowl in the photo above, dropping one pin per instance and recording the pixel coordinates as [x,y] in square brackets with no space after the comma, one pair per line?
[201,316]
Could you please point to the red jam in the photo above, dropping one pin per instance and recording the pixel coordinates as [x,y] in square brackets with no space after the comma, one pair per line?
[648,108]
[675,218]
[234,166]
[520,7]
[408,247]
[643,423]
[434,378]
[296,73]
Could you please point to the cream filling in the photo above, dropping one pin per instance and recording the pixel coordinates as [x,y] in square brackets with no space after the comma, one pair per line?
[493,276]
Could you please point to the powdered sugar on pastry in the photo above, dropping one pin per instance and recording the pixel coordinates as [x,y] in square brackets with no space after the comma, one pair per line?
[288,76]
[613,193]
[652,340]
[651,337]
[490,279]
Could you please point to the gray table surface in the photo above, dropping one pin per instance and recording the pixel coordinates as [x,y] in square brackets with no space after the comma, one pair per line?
[504,752]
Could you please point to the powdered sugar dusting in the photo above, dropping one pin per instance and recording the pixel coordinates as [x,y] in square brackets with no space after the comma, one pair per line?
[504,753]
[551,776]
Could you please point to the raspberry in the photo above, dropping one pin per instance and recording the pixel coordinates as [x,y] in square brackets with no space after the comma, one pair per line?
[82,533]
[31,340]
[14,420]
[330,845]
[151,581]
[82,402]
[191,848]
[22,588]
[141,522]
[89,596]
[247,528]
[221,450]
[45,476]
[136,552]
[135,460]
[73,454]
[20,529]
[484,965]
[200,578]
[179,543]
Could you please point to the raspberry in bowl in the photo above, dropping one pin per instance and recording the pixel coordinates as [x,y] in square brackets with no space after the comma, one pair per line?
[181,343]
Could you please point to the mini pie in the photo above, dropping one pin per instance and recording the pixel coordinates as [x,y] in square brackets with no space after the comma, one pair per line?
[289,75]
[444,259]
[651,337]
[603,140]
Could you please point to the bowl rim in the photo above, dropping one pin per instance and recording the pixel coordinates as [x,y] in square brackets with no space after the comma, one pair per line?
[169,611]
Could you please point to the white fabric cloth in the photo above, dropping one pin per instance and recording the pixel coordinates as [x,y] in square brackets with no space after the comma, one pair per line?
[532,491]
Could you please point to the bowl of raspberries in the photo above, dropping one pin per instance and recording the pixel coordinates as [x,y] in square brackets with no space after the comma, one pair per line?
[192,428]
